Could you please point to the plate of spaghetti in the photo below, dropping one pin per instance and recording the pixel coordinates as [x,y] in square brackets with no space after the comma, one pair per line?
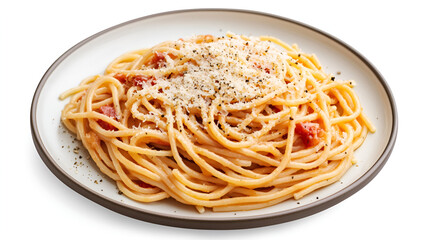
[242,119]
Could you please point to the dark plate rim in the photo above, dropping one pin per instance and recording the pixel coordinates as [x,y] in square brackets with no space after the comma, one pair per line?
[236,223]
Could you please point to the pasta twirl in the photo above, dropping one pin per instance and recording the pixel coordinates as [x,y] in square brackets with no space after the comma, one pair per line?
[227,123]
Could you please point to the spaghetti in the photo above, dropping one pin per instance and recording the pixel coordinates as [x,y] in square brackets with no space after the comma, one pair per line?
[228,123]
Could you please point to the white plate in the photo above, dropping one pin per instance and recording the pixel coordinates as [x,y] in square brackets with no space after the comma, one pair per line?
[91,56]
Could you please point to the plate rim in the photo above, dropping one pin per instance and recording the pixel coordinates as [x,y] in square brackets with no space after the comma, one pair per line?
[220,223]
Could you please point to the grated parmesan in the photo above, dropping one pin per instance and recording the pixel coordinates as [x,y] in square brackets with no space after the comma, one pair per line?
[234,69]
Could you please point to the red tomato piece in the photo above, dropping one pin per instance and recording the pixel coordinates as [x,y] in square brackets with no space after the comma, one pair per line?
[138,80]
[110,112]
[121,77]
[158,60]
[309,133]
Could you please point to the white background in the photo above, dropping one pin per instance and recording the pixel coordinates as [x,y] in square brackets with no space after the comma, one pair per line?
[35,204]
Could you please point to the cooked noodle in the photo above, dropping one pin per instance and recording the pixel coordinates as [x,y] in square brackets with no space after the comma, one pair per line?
[228,123]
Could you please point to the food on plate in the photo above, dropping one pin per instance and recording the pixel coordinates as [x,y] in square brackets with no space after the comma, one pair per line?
[224,123]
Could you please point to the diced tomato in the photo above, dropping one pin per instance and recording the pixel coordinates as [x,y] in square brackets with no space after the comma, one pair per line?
[143,184]
[138,80]
[106,126]
[134,80]
[309,133]
[158,60]
[121,77]
[110,112]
